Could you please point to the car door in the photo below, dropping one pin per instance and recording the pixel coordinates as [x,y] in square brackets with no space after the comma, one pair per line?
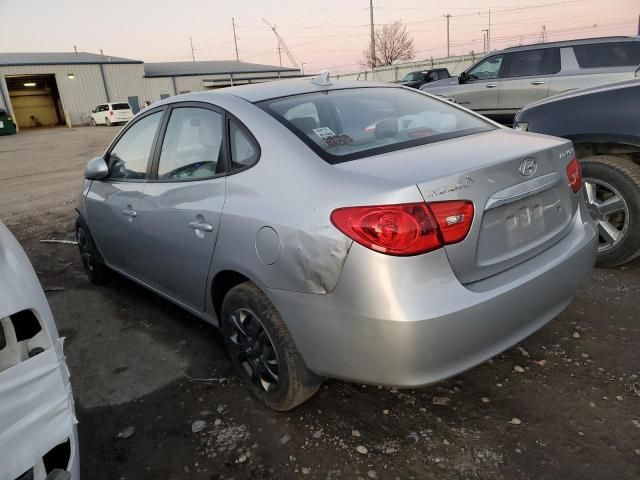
[479,91]
[112,203]
[526,78]
[96,115]
[182,204]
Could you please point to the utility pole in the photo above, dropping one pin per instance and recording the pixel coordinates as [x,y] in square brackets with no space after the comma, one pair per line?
[489,33]
[303,64]
[638,25]
[235,40]
[75,49]
[193,55]
[279,53]
[373,36]
[448,17]
[485,34]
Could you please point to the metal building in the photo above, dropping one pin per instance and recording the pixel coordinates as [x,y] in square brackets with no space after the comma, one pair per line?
[46,89]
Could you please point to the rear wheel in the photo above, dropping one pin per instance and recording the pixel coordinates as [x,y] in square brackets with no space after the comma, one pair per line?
[612,185]
[107,121]
[92,262]
[262,349]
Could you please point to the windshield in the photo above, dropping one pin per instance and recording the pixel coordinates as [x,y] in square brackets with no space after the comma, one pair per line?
[120,106]
[409,77]
[353,123]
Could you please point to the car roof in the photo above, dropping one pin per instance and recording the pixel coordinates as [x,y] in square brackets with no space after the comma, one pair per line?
[570,43]
[259,92]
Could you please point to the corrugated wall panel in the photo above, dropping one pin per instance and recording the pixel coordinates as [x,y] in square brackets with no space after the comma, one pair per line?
[79,95]
[159,86]
[125,80]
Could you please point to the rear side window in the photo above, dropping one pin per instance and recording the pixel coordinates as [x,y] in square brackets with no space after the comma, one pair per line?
[614,54]
[120,106]
[128,159]
[192,145]
[532,62]
[244,151]
[353,123]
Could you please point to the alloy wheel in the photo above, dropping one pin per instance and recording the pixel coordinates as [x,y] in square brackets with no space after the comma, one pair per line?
[609,210]
[251,346]
[85,252]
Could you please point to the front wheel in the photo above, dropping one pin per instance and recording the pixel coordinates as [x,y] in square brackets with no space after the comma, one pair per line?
[262,349]
[612,185]
[92,262]
[92,122]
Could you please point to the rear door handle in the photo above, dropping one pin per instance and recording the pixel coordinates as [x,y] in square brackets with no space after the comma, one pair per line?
[203,227]
[492,85]
[537,82]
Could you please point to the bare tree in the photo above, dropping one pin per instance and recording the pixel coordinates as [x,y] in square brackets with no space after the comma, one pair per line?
[393,44]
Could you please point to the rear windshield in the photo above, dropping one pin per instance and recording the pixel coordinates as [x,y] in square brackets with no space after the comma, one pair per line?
[614,54]
[120,106]
[353,123]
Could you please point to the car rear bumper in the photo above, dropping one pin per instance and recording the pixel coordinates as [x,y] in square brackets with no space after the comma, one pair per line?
[408,322]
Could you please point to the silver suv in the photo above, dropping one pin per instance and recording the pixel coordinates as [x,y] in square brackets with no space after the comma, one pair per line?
[503,82]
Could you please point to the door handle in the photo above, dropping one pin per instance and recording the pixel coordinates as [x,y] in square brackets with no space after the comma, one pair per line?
[203,227]
[492,85]
[537,82]
[129,213]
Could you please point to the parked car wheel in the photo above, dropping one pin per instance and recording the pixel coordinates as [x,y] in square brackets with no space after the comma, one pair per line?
[612,185]
[107,121]
[92,122]
[92,261]
[262,349]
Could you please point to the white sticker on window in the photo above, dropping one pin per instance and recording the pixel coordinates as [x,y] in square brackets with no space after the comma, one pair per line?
[1,124]
[324,132]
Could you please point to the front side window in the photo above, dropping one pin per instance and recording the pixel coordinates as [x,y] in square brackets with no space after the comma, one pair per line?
[412,76]
[357,122]
[244,151]
[128,159]
[192,146]
[532,62]
[488,69]
[614,54]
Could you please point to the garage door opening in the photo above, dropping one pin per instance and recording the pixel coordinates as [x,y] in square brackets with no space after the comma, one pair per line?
[35,100]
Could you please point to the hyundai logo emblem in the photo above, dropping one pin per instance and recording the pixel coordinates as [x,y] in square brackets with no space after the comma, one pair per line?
[528,167]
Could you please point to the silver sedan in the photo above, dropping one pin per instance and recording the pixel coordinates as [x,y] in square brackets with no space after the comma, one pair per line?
[353,230]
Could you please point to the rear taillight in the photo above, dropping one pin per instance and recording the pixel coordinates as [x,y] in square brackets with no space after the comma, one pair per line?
[111,112]
[405,229]
[574,174]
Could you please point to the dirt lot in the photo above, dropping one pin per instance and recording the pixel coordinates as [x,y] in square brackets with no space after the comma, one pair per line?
[565,404]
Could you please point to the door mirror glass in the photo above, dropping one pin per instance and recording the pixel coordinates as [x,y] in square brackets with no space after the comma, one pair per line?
[462,78]
[96,169]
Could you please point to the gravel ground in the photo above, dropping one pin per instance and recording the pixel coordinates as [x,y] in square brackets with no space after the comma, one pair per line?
[563,404]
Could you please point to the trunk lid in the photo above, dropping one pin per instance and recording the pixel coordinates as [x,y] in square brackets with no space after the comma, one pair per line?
[517,214]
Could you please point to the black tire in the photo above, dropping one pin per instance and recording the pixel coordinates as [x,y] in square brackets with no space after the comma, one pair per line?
[294,383]
[107,121]
[92,122]
[92,262]
[624,176]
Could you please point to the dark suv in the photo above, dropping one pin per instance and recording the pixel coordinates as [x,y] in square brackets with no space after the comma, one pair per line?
[604,124]
[419,78]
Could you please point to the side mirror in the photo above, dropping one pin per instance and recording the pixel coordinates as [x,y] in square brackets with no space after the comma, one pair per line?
[96,169]
[463,77]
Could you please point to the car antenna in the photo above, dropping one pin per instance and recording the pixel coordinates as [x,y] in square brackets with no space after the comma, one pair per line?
[324,79]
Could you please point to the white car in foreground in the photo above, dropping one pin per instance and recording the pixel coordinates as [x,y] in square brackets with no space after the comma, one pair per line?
[38,436]
[111,114]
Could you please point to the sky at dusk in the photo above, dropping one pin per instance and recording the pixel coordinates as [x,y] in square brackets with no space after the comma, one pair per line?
[324,35]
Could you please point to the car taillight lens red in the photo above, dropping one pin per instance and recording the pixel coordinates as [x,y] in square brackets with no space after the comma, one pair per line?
[405,229]
[574,174]
[111,112]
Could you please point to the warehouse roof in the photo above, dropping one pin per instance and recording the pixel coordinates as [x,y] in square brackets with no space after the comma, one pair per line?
[58,58]
[181,69]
